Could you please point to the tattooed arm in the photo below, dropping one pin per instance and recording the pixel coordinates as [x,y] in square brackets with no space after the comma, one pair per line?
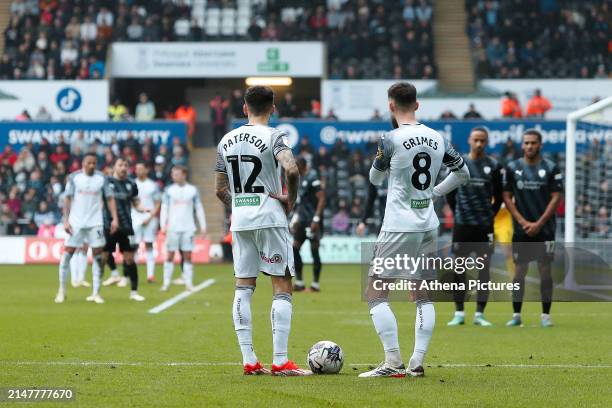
[223,189]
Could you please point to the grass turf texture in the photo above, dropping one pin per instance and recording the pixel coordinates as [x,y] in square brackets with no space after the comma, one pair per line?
[43,344]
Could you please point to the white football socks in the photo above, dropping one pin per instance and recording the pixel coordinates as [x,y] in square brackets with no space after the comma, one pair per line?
[64,270]
[74,268]
[150,263]
[81,265]
[423,329]
[188,274]
[280,316]
[386,328]
[243,323]
[96,271]
[168,271]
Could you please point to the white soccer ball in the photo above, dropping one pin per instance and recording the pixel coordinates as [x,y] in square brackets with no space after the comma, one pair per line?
[325,357]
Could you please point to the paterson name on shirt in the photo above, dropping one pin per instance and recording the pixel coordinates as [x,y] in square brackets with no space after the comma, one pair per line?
[245,138]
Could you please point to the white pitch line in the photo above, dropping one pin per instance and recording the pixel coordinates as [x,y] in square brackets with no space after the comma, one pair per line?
[172,301]
[220,364]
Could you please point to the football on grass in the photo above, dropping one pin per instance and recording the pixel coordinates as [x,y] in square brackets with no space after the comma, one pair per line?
[325,357]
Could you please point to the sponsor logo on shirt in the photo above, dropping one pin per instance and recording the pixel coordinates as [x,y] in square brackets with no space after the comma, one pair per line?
[247,201]
[419,204]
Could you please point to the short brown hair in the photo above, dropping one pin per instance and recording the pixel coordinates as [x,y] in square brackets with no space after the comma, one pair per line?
[533,132]
[259,99]
[181,168]
[403,94]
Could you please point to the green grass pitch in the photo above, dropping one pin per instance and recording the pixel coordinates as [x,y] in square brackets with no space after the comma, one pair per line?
[118,355]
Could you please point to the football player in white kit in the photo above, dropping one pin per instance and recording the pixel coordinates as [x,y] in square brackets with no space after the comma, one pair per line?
[411,157]
[249,164]
[181,208]
[83,221]
[147,224]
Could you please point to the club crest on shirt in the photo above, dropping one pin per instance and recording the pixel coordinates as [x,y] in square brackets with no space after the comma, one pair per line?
[486,169]
[379,152]
[541,173]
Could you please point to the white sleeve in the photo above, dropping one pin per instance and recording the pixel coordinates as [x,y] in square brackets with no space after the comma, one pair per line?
[455,179]
[377,177]
[164,209]
[199,212]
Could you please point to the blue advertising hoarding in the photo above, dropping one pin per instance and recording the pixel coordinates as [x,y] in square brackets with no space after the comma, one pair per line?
[20,133]
[356,135]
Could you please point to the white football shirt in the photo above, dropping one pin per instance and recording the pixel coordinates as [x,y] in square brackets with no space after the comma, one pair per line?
[181,207]
[148,193]
[413,155]
[87,198]
[248,156]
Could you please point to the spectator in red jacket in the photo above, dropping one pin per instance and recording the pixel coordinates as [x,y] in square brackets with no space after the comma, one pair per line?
[9,155]
[538,105]
[60,155]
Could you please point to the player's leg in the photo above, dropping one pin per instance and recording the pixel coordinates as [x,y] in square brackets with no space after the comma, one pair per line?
[423,330]
[546,291]
[131,269]
[482,296]
[275,243]
[246,260]
[97,270]
[316,265]
[388,245]
[181,279]
[299,236]
[150,259]
[186,245]
[187,270]
[459,250]
[484,250]
[64,267]
[82,266]
[522,255]
[74,268]
[385,324]
[115,278]
[150,236]
[425,310]
[172,245]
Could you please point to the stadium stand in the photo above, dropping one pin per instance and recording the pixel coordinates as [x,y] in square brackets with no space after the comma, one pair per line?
[68,39]
[33,178]
[540,38]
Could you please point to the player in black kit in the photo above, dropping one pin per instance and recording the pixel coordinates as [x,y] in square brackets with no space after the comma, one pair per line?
[307,223]
[126,195]
[474,206]
[532,192]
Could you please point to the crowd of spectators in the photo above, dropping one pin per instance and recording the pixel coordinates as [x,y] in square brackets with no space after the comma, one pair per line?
[33,177]
[541,38]
[68,39]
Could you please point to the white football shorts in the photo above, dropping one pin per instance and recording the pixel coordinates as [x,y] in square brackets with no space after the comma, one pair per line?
[414,245]
[180,241]
[146,233]
[267,250]
[94,236]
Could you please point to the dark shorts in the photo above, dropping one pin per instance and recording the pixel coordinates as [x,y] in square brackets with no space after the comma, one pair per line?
[540,248]
[125,241]
[301,232]
[472,239]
